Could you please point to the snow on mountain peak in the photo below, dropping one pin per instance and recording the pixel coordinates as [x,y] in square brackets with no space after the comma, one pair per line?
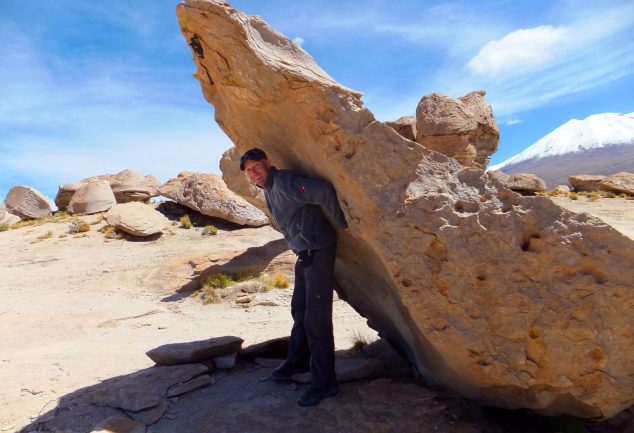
[595,131]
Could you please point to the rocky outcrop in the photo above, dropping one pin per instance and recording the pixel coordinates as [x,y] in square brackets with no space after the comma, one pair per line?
[128,185]
[619,183]
[27,203]
[462,128]
[92,197]
[520,182]
[208,194]
[585,182]
[406,126]
[509,300]
[137,219]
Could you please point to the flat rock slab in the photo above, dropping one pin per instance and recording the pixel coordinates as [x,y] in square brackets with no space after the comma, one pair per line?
[348,369]
[151,415]
[191,385]
[119,424]
[145,388]
[274,348]
[195,351]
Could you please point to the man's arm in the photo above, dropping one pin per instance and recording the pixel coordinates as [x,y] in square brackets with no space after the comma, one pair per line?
[319,192]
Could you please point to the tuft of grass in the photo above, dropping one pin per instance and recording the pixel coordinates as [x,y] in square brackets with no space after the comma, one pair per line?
[594,196]
[78,226]
[186,223]
[573,196]
[110,232]
[56,217]
[359,341]
[98,220]
[281,282]
[624,195]
[4,227]
[218,281]
[48,234]
[63,235]
[210,231]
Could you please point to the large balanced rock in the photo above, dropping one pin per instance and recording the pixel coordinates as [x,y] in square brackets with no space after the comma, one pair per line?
[92,197]
[622,182]
[462,128]
[27,203]
[137,219]
[406,126]
[585,182]
[208,194]
[520,182]
[510,300]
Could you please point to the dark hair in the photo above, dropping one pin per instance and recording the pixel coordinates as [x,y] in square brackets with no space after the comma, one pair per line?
[254,154]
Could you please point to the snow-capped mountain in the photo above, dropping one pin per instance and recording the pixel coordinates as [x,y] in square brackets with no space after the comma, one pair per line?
[599,144]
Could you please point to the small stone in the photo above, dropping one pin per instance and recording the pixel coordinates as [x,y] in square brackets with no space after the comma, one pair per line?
[225,362]
[119,424]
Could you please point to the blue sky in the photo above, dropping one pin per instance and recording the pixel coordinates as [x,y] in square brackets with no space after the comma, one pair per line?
[89,88]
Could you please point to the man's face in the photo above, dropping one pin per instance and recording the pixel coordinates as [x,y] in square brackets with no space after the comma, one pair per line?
[257,171]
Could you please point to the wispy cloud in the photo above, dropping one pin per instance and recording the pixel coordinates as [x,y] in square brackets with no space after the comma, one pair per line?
[513,122]
[298,40]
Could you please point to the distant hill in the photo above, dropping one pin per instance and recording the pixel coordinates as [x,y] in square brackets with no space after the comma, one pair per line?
[598,144]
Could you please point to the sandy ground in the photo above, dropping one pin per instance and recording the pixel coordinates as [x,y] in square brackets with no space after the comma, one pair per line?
[78,310]
[617,212]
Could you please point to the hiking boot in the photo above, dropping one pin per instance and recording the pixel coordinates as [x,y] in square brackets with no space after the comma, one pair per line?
[286,371]
[314,396]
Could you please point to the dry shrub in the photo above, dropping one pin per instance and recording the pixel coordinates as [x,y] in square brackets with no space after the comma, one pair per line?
[110,232]
[78,226]
[186,223]
[210,231]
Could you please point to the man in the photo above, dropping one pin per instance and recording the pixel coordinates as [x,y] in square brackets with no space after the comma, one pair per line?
[298,205]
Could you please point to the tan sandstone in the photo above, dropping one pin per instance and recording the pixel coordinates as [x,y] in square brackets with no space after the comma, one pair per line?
[509,300]
[406,126]
[92,197]
[622,182]
[585,182]
[462,128]
[208,194]
[27,203]
[137,219]
[520,182]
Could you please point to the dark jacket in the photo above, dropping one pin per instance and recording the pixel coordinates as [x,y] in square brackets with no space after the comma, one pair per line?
[298,203]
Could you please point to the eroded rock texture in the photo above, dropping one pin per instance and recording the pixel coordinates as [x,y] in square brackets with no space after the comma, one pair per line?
[507,299]
[462,128]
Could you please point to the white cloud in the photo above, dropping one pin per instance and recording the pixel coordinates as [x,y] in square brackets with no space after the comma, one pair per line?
[520,50]
[513,122]
[298,40]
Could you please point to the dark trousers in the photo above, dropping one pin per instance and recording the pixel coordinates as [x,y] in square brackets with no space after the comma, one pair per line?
[312,339]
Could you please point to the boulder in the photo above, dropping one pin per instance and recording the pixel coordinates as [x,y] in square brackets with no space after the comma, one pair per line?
[462,128]
[143,389]
[65,194]
[510,300]
[195,351]
[92,197]
[208,194]
[585,182]
[622,182]
[406,126]
[27,203]
[520,182]
[7,218]
[563,189]
[136,218]
[128,185]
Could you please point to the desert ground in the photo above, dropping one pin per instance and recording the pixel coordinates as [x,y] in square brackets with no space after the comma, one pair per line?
[80,309]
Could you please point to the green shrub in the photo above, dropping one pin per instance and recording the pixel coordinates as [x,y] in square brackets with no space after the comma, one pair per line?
[218,281]
[573,196]
[186,223]
[210,231]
